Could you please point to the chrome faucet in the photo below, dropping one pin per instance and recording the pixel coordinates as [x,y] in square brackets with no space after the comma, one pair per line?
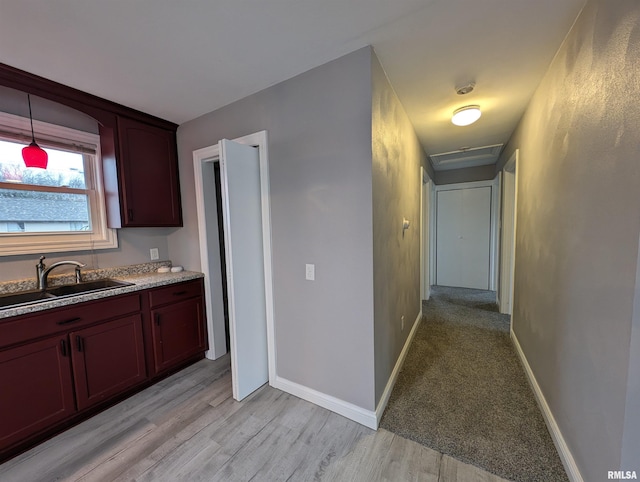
[42,272]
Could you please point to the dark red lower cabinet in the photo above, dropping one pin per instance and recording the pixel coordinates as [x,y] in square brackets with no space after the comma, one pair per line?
[61,365]
[36,388]
[107,359]
[179,332]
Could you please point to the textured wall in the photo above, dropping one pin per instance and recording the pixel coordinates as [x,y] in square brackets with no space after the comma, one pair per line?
[578,226]
[631,436]
[319,127]
[397,157]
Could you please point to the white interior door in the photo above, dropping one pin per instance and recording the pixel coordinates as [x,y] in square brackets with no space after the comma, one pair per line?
[242,221]
[463,238]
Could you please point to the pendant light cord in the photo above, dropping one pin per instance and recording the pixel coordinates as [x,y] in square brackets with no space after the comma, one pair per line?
[33,137]
[33,155]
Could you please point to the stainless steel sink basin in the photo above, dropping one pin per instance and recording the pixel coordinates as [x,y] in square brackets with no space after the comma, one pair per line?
[24,297]
[28,297]
[86,287]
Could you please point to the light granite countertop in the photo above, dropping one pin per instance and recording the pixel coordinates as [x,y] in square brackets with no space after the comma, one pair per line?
[140,275]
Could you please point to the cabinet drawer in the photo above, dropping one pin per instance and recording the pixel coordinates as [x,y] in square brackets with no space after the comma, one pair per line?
[26,327]
[173,293]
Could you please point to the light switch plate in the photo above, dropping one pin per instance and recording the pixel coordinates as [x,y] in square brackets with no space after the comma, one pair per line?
[310,272]
[153,253]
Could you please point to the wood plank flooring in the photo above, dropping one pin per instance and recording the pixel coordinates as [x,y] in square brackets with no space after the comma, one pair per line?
[189,428]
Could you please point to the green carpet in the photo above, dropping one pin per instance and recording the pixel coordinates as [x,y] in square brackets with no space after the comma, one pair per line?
[463,392]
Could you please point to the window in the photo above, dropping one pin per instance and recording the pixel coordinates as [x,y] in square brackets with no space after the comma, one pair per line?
[61,208]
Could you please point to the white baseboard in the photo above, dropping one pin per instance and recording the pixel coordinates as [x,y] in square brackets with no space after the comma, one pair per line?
[353,412]
[346,409]
[563,450]
[396,370]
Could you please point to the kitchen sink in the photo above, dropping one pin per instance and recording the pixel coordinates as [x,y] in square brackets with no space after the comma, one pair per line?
[23,298]
[27,297]
[86,287]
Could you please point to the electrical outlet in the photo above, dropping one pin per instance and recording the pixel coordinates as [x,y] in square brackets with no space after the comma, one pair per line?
[153,253]
[402,322]
[310,272]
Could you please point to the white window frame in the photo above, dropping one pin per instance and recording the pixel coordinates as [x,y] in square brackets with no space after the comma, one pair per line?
[100,236]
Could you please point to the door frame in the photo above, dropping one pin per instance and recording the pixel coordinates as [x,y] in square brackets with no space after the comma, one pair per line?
[433,195]
[508,235]
[425,236]
[493,230]
[216,334]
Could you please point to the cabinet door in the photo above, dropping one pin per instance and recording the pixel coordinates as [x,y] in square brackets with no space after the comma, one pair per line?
[37,390]
[178,332]
[107,359]
[149,170]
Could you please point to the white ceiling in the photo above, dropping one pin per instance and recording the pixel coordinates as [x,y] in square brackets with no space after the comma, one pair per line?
[181,59]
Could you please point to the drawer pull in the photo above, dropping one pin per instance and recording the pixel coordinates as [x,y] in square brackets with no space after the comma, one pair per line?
[66,322]
[63,347]
[79,343]
[180,293]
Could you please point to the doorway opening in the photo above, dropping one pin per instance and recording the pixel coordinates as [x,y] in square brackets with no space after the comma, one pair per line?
[234,227]
[223,264]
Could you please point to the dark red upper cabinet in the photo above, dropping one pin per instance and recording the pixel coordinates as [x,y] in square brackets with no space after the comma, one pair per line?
[148,171]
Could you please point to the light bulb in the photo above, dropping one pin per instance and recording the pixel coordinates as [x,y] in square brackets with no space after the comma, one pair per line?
[467,115]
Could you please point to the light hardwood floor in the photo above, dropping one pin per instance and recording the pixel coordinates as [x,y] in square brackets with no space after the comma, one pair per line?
[188,428]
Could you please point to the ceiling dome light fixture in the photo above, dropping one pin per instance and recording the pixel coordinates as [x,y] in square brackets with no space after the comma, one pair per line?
[466,115]
[33,155]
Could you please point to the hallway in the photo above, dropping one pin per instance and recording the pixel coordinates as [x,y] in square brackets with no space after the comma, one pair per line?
[463,392]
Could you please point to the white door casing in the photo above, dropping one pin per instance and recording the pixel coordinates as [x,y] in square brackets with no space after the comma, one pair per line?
[432,233]
[508,233]
[425,238]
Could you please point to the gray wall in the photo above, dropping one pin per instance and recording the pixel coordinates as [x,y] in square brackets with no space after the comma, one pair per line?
[397,157]
[577,233]
[319,127]
[631,437]
[134,243]
[468,174]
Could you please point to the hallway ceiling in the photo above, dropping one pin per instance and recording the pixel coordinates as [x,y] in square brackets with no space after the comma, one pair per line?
[179,60]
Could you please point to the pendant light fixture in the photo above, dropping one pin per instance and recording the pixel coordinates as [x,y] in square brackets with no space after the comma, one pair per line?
[467,115]
[33,155]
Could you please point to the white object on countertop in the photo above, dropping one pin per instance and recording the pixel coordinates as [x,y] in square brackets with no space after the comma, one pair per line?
[176,269]
[164,269]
